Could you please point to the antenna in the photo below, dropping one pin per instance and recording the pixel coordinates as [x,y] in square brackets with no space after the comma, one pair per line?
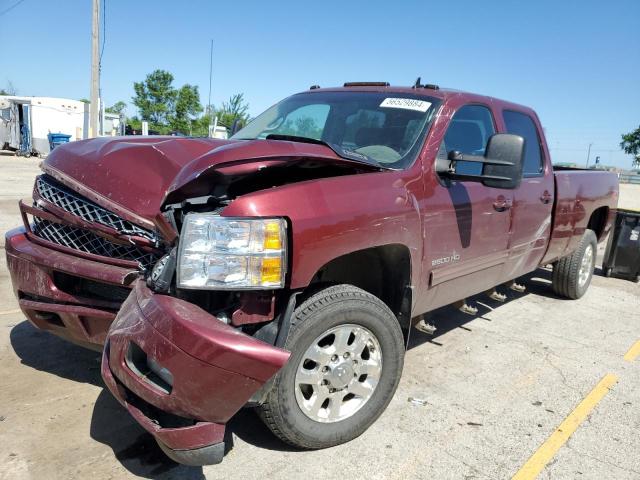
[417,84]
[210,77]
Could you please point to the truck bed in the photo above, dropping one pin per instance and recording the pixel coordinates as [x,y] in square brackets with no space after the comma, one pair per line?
[581,196]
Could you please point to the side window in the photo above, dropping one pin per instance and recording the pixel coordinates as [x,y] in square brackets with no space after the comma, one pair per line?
[468,132]
[522,124]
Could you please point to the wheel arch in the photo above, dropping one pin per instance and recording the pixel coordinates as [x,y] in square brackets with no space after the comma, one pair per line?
[598,221]
[383,271]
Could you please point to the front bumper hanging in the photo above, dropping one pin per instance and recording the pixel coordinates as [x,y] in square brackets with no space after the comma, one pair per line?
[182,373]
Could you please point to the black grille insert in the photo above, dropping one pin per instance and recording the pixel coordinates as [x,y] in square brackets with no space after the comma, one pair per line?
[71,202]
[87,241]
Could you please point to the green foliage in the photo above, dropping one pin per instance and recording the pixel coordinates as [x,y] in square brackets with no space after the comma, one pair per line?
[168,109]
[187,106]
[118,107]
[135,123]
[200,126]
[631,145]
[302,127]
[235,109]
[84,100]
[10,89]
[155,97]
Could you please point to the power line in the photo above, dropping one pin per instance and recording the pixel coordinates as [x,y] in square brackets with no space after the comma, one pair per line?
[210,79]
[104,31]
[95,67]
[7,10]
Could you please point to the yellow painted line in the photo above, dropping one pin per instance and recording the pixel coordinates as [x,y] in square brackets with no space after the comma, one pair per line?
[633,352]
[548,449]
[9,312]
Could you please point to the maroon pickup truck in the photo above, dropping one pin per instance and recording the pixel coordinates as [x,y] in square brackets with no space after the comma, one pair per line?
[285,267]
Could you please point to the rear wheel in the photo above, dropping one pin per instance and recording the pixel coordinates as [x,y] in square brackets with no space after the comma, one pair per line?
[346,361]
[572,275]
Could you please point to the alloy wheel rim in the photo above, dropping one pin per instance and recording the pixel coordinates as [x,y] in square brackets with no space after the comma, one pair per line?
[586,266]
[338,373]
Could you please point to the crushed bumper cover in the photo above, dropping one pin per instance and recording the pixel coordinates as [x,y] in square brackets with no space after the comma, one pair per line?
[47,305]
[212,370]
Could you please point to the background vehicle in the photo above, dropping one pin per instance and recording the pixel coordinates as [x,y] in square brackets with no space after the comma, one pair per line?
[283,267]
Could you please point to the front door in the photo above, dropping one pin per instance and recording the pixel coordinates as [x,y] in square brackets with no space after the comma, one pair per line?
[466,224]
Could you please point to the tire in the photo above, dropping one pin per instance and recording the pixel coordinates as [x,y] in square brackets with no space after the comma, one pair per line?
[572,274]
[374,331]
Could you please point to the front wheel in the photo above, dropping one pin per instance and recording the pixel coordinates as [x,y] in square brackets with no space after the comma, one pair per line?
[347,354]
[572,275]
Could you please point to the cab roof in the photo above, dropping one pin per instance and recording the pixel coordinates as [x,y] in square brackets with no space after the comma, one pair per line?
[443,94]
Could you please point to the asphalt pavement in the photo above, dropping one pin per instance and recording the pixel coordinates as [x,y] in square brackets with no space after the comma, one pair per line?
[481,399]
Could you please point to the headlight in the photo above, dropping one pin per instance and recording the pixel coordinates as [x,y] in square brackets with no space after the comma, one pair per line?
[222,253]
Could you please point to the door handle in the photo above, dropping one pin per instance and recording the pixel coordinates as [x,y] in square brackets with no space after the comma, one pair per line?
[501,204]
[546,197]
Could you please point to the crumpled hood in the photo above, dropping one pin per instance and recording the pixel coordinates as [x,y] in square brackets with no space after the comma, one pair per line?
[137,173]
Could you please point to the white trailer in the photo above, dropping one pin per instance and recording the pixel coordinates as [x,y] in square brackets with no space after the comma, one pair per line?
[25,122]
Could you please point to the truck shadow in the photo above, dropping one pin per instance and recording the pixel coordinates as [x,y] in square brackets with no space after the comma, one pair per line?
[137,451]
[111,425]
[449,318]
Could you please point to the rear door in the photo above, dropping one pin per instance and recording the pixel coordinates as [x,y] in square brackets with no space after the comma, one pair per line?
[466,223]
[533,200]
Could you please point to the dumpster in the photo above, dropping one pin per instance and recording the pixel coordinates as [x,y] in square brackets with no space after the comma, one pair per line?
[56,139]
[622,256]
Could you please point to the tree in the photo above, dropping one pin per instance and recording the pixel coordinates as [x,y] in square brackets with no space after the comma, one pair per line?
[631,145]
[187,106]
[200,126]
[118,107]
[10,89]
[155,97]
[235,109]
[303,127]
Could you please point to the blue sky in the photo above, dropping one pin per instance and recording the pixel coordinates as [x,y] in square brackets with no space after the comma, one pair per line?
[576,62]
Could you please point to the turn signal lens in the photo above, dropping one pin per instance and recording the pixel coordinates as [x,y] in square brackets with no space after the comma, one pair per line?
[271,270]
[272,236]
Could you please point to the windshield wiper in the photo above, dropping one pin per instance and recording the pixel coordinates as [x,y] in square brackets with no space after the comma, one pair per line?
[341,152]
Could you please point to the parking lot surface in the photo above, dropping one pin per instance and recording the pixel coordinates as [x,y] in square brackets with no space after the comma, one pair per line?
[477,400]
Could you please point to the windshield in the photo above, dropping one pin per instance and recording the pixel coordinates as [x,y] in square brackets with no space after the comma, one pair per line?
[384,129]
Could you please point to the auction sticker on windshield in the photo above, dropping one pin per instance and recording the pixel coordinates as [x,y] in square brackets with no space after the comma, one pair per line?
[406,103]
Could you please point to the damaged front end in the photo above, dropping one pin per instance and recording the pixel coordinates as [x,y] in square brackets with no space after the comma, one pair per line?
[186,349]
[197,340]
[183,373]
[190,305]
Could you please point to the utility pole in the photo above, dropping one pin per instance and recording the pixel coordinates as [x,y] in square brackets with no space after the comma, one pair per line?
[95,74]
[589,154]
[210,78]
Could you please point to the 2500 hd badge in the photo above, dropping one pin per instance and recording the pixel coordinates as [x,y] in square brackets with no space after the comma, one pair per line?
[450,259]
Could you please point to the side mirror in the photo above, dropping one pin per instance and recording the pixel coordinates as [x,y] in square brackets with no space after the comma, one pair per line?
[507,148]
[502,162]
[237,125]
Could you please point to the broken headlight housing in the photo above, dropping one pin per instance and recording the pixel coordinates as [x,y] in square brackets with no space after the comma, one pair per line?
[223,253]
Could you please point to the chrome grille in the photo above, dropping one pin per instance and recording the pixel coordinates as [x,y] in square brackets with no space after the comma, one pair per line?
[87,241]
[73,203]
